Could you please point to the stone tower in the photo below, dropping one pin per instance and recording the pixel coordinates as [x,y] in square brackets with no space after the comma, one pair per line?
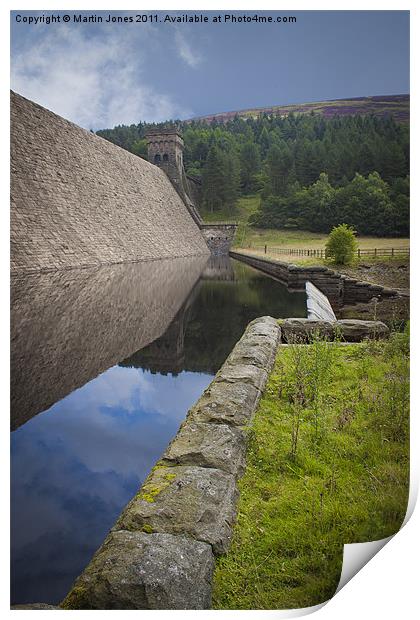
[165,149]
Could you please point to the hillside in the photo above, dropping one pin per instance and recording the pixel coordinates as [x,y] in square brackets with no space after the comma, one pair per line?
[396,105]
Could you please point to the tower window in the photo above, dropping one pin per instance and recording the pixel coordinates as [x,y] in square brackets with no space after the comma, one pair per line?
[157,158]
[166,157]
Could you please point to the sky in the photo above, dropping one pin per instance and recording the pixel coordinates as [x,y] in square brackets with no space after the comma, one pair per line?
[104,74]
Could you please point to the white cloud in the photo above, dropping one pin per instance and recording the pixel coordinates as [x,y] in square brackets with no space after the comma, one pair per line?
[122,418]
[188,55]
[94,81]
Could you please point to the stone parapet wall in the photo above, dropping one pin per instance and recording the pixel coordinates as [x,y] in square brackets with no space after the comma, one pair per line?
[160,553]
[78,200]
[340,290]
[299,331]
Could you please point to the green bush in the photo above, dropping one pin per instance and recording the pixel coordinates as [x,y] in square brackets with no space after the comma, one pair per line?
[341,245]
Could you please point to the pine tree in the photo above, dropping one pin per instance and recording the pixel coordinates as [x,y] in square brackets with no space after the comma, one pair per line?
[279,168]
[231,180]
[250,165]
[213,180]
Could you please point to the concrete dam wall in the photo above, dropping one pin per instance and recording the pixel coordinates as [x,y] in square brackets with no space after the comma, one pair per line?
[78,200]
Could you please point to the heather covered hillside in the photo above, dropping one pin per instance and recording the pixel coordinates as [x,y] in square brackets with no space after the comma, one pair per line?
[382,105]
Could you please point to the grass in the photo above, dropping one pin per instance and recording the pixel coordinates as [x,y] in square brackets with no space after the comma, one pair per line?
[303,239]
[328,464]
[244,207]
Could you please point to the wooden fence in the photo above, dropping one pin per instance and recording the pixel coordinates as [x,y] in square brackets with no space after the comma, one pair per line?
[320,253]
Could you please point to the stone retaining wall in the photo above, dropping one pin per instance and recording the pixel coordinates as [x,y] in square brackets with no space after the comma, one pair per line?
[160,553]
[340,290]
[347,330]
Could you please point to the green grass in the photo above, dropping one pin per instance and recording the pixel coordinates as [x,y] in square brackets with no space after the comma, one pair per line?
[303,239]
[302,261]
[244,207]
[328,464]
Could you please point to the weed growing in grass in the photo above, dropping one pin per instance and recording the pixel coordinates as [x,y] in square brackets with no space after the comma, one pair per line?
[309,370]
[343,478]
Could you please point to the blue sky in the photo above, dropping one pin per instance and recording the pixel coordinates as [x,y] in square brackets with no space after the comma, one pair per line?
[100,75]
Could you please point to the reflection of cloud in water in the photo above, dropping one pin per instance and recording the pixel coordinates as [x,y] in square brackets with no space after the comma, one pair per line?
[70,326]
[77,464]
[109,422]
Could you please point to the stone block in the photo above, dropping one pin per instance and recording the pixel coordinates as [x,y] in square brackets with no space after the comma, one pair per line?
[133,570]
[389,292]
[198,502]
[301,330]
[243,373]
[219,446]
[263,326]
[224,402]
[353,330]
[256,350]
[258,344]
[349,330]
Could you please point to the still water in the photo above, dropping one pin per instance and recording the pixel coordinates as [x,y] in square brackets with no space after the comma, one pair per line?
[105,364]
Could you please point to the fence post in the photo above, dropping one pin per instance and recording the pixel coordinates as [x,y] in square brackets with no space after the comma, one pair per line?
[392,251]
[375,252]
[358,252]
[265,249]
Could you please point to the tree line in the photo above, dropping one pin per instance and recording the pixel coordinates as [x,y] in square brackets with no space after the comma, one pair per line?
[311,172]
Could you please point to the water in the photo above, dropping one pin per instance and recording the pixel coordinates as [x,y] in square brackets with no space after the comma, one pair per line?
[105,364]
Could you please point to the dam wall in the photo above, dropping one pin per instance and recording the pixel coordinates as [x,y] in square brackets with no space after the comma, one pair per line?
[79,201]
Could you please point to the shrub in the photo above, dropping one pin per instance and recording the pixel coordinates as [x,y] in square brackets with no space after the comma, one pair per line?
[341,245]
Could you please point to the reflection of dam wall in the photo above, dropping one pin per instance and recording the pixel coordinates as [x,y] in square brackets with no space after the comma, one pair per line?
[68,327]
[219,268]
[166,354]
[228,295]
[78,200]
